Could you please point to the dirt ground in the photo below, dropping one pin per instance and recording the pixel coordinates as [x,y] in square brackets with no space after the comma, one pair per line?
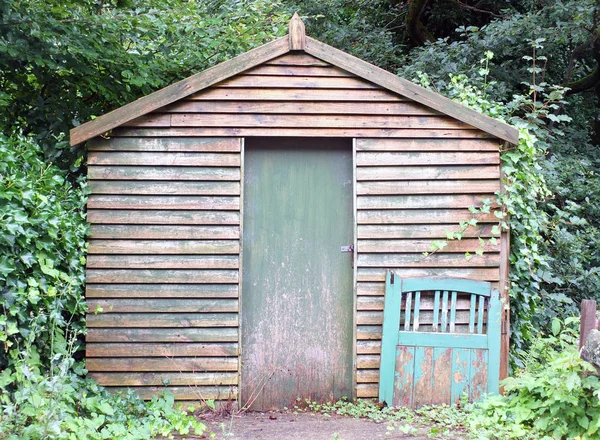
[310,426]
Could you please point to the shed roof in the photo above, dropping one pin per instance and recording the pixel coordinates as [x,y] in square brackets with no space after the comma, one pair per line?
[295,41]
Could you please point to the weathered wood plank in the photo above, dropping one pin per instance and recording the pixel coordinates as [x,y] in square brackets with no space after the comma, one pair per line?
[311,121]
[442,378]
[404,376]
[423,391]
[422,201]
[426,158]
[162,379]
[163,247]
[191,393]
[179,90]
[154,335]
[163,202]
[158,364]
[302,132]
[303,107]
[368,347]
[162,276]
[154,320]
[119,349]
[162,262]
[151,120]
[369,302]
[166,144]
[295,70]
[367,391]
[161,291]
[294,82]
[421,231]
[162,173]
[433,261]
[482,274]
[168,305]
[297,59]
[428,187]
[368,332]
[427,144]
[205,188]
[367,361]
[367,376]
[369,318]
[370,289]
[422,216]
[414,245]
[298,94]
[173,217]
[413,91]
[164,232]
[166,158]
[428,172]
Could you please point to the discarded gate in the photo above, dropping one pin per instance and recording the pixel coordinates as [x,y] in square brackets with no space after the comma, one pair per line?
[441,340]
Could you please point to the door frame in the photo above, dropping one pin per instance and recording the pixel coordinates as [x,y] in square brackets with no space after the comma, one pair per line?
[241,272]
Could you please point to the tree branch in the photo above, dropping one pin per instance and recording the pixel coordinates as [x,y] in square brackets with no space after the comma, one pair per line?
[415,28]
[474,9]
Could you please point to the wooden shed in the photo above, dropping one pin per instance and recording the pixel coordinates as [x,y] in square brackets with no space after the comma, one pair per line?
[244,219]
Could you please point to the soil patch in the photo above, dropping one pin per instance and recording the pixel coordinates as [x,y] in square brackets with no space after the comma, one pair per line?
[310,426]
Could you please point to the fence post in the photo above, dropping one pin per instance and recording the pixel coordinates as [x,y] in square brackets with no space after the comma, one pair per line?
[588,320]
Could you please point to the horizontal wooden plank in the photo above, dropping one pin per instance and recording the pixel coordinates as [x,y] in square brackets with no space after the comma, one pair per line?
[314,121]
[421,231]
[427,145]
[163,202]
[172,217]
[371,297]
[166,158]
[428,187]
[473,273]
[368,332]
[422,216]
[370,289]
[159,188]
[433,260]
[297,94]
[156,335]
[295,70]
[420,245]
[422,201]
[293,82]
[369,302]
[158,276]
[367,361]
[368,347]
[153,320]
[163,247]
[164,232]
[303,107]
[151,120]
[163,379]
[426,158]
[297,59]
[166,144]
[367,376]
[196,394]
[429,172]
[369,317]
[158,364]
[119,349]
[302,132]
[167,305]
[111,172]
[161,290]
[367,390]
[162,262]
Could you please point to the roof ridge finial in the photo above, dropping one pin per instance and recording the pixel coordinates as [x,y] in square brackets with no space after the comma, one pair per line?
[297,33]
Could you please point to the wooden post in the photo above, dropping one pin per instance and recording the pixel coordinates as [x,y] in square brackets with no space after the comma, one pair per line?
[588,320]
[297,33]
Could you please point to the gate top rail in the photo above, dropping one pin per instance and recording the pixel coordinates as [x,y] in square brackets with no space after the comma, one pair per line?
[449,284]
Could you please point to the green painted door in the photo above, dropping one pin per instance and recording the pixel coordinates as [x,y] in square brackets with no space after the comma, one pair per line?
[297,307]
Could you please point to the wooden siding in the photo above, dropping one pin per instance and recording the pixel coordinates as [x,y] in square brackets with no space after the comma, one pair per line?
[163,265]
[409,193]
[296,95]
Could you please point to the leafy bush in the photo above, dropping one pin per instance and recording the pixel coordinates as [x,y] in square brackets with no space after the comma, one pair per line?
[554,397]
[42,248]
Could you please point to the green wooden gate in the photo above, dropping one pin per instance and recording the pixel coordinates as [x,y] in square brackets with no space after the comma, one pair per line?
[438,341]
